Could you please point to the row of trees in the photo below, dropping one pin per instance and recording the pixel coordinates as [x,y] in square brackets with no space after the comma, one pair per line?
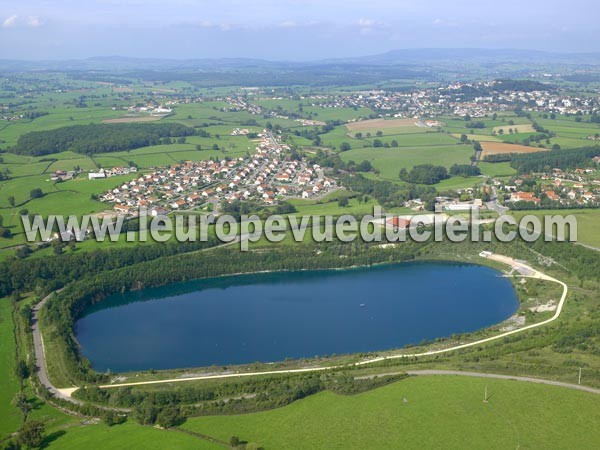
[235,396]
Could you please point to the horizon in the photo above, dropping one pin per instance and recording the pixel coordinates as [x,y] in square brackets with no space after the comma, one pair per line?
[294,30]
[304,60]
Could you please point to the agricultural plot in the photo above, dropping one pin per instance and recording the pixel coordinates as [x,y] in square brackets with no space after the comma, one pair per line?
[11,416]
[133,119]
[403,135]
[496,148]
[506,129]
[587,222]
[478,137]
[430,138]
[515,138]
[501,169]
[380,124]
[428,412]
[129,435]
[389,161]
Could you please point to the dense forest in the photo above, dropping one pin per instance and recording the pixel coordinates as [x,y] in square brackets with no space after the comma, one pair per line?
[48,274]
[424,174]
[562,159]
[98,138]
[464,170]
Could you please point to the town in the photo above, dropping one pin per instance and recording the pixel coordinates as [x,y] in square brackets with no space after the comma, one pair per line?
[268,176]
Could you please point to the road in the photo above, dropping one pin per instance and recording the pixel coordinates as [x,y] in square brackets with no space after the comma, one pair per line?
[577,387]
[493,203]
[38,342]
[40,355]
[529,273]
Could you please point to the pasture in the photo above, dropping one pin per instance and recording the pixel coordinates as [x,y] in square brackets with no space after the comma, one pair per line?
[496,148]
[587,222]
[380,124]
[11,417]
[506,129]
[132,119]
[389,161]
[423,412]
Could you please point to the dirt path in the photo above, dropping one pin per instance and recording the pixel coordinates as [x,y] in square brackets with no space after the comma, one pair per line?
[577,387]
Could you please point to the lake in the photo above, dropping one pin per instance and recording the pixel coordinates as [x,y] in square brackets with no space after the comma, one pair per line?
[272,316]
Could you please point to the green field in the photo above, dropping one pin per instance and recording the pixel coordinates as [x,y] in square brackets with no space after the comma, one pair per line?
[440,412]
[389,161]
[128,435]
[11,417]
[587,222]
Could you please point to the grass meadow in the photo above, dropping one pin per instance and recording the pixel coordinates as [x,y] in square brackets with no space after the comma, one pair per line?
[428,412]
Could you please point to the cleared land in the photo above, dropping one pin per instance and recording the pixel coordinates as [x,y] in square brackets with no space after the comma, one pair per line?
[133,119]
[376,124]
[495,148]
[524,128]
[478,137]
[389,161]
[429,412]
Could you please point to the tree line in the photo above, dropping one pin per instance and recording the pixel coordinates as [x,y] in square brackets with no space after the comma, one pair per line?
[234,397]
[47,274]
[389,194]
[562,159]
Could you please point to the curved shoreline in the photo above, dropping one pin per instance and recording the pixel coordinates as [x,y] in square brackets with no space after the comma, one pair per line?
[529,272]
[510,261]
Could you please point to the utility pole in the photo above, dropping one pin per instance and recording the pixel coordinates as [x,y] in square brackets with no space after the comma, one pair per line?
[485,395]
[579,376]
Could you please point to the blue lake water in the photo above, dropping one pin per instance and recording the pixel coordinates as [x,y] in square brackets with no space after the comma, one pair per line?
[270,317]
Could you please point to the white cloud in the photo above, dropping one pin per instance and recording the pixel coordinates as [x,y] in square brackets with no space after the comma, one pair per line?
[34,22]
[288,24]
[446,23]
[366,23]
[17,21]
[10,21]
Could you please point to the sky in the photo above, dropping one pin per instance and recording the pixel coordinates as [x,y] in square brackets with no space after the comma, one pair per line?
[288,29]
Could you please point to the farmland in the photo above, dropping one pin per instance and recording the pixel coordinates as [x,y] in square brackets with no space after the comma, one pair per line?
[428,412]
[495,148]
[380,124]
[348,132]
[390,161]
